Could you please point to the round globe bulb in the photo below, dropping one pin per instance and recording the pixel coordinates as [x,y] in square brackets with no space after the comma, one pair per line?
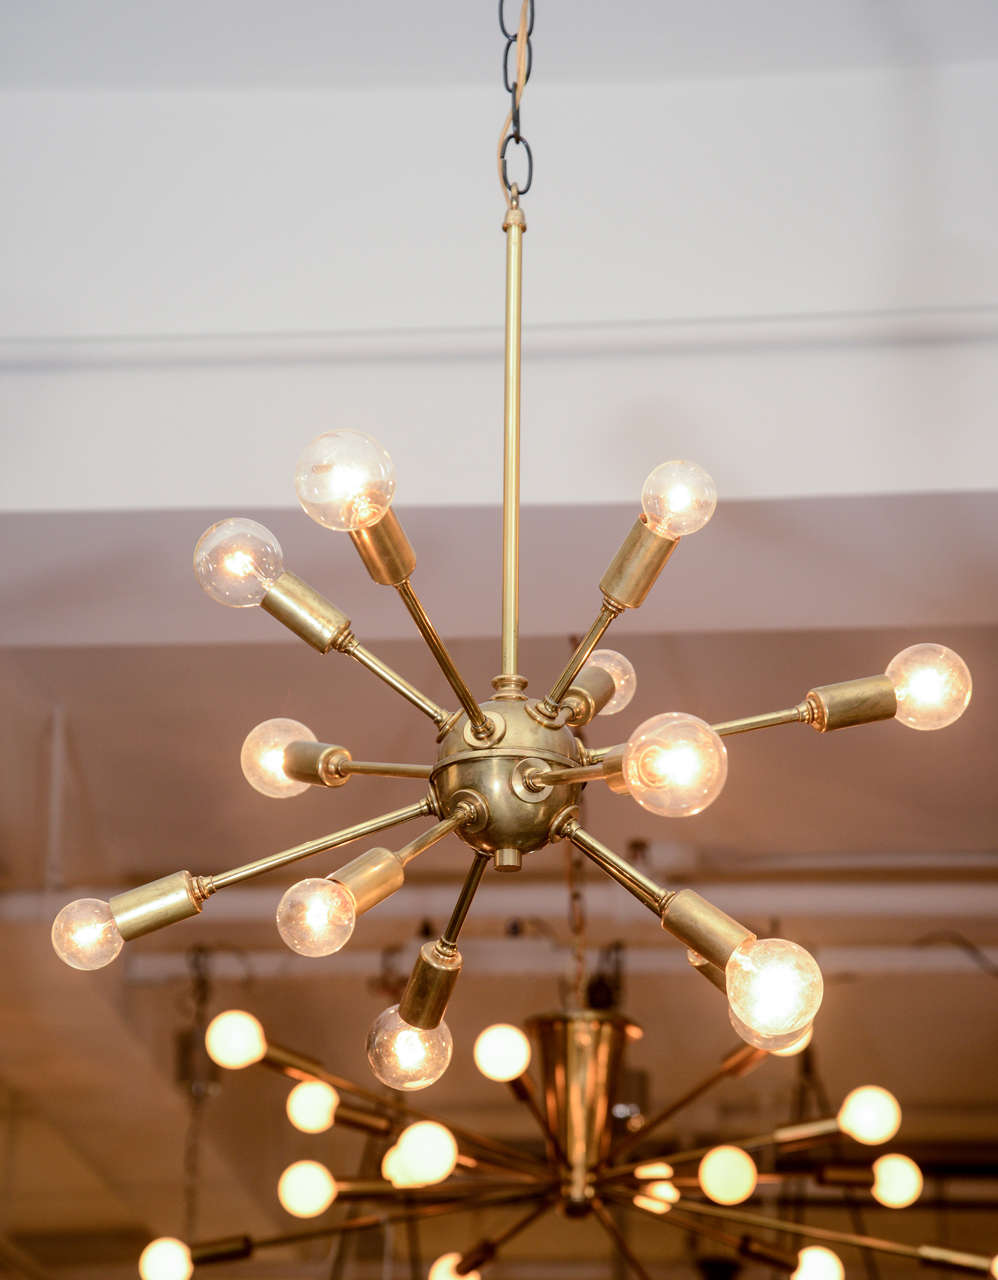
[235,1039]
[316,917]
[663,1190]
[651,1204]
[675,765]
[678,498]
[870,1115]
[306,1188]
[727,1175]
[444,1269]
[994,1267]
[428,1151]
[262,757]
[407,1057]
[345,480]
[897,1181]
[818,1263]
[237,561]
[797,1046]
[932,685]
[502,1052]
[654,1169]
[395,1171]
[621,672]
[85,935]
[166,1259]
[774,987]
[772,1044]
[311,1106]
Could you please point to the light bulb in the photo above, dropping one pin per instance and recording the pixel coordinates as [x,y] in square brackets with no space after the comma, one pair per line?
[932,685]
[262,757]
[655,1169]
[994,1267]
[166,1259]
[897,1181]
[306,1188]
[727,1175]
[675,765]
[796,1046]
[678,498]
[316,917]
[345,480]
[502,1052]
[84,934]
[774,987]
[651,1204]
[870,1115]
[774,1044]
[235,1039]
[311,1106]
[662,1190]
[621,672]
[443,1269]
[407,1057]
[395,1171]
[818,1263]
[427,1151]
[237,561]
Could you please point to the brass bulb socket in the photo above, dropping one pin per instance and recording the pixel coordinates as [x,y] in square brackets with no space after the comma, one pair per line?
[385,550]
[316,762]
[307,613]
[712,973]
[431,982]
[613,772]
[588,694]
[634,570]
[153,906]
[705,929]
[863,701]
[371,878]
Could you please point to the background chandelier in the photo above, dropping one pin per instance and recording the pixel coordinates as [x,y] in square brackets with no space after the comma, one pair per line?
[509,771]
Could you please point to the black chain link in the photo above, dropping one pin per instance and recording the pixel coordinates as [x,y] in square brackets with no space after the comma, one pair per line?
[510,84]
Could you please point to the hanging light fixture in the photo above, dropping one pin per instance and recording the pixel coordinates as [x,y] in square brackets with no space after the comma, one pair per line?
[508,772]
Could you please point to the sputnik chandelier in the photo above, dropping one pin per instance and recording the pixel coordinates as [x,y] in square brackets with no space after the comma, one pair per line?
[509,771]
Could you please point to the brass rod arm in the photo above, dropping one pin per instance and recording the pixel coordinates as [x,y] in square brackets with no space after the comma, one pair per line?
[728,727]
[380,769]
[408,691]
[798,1135]
[735,1064]
[649,893]
[482,1253]
[443,1192]
[574,773]
[465,898]
[549,706]
[479,720]
[462,813]
[514,226]
[522,1089]
[274,860]
[620,1240]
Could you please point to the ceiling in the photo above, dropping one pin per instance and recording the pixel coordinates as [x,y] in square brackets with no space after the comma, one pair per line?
[762,236]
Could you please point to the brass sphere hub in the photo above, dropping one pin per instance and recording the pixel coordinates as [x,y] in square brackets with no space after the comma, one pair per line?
[516,818]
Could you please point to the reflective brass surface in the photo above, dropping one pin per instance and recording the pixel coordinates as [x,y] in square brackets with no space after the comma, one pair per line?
[589,693]
[316,762]
[514,226]
[154,905]
[838,706]
[548,708]
[643,888]
[371,878]
[392,678]
[386,551]
[430,984]
[706,929]
[305,612]
[634,570]
[793,715]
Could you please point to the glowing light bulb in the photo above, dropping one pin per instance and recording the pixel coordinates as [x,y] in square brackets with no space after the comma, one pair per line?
[395,1171]
[345,480]
[897,1181]
[262,757]
[655,1169]
[306,1188]
[407,1057]
[932,685]
[818,1263]
[994,1267]
[84,934]
[675,765]
[502,1052]
[237,561]
[235,1039]
[663,1190]
[427,1152]
[797,1046]
[870,1115]
[444,1269]
[774,987]
[316,917]
[678,498]
[621,672]
[311,1106]
[166,1259]
[651,1204]
[727,1175]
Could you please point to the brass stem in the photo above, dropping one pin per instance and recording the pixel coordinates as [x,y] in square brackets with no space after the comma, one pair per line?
[514,226]
[573,773]
[392,678]
[384,770]
[274,860]
[436,833]
[649,893]
[479,720]
[728,727]
[800,1135]
[523,1090]
[620,1240]
[465,898]
[549,707]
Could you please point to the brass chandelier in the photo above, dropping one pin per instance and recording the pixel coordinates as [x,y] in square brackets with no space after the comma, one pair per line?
[509,771]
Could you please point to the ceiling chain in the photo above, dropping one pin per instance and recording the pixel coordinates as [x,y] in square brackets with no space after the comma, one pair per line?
[514,83]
